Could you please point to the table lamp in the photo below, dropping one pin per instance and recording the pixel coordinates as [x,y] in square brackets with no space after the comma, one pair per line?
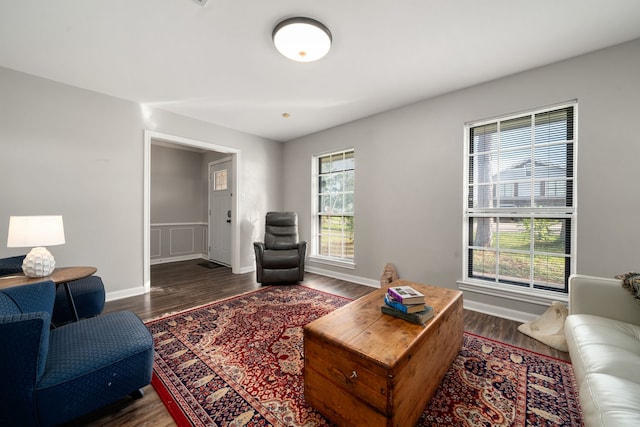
[36,232]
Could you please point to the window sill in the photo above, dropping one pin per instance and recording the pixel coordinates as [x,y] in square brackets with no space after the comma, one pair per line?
[533,296]
[333,261]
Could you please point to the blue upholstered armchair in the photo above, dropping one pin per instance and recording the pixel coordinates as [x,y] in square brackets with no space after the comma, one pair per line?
[51,376]
[88,293]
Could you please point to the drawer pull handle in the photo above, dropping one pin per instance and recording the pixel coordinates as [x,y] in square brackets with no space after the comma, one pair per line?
[337,373]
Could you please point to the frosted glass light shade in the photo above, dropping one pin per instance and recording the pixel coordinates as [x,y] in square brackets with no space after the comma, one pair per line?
[38,231]
[302,39]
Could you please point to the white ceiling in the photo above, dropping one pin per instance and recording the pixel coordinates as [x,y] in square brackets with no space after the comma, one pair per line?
[217,63]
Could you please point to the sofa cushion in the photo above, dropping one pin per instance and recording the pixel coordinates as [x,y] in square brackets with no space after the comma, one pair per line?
[603,345]
[90,344]
[609,400]
[605,354]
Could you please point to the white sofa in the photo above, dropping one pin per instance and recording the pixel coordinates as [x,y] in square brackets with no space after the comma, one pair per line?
[603,336]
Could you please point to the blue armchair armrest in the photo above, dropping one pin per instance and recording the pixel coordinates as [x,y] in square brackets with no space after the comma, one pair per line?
[25,320]
[24,343]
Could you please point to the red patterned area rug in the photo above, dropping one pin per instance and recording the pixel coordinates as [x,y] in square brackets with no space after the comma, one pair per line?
[239,362]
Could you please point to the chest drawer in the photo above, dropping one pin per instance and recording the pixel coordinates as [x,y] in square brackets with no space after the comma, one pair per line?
[333,367]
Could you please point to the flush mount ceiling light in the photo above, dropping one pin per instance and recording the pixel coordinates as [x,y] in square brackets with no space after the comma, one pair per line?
[302,39]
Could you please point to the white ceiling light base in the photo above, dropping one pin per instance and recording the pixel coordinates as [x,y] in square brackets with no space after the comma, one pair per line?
[302,39]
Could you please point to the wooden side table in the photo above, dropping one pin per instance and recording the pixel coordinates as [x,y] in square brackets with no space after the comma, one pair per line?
[60,276]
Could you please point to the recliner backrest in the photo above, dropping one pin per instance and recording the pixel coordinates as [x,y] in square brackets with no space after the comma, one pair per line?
[281,230]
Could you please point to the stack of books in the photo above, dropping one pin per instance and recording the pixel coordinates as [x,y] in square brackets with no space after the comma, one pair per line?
[406,303]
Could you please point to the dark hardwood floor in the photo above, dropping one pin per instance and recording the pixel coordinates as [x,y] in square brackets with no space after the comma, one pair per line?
[181,285]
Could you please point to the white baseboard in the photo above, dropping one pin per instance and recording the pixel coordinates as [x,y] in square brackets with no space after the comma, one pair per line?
[156,261]
[248,269]
[126,293]
[347,277]
[494,310]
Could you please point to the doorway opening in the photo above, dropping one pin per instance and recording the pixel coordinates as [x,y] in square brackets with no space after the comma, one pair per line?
[220,184]
[231,213]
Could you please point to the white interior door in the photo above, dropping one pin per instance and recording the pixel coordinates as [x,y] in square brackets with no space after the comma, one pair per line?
[220,186]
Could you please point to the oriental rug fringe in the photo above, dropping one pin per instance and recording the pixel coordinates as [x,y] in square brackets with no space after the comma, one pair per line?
[239,362]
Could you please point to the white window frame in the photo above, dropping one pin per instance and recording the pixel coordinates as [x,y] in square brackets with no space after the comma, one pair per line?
[315,214]
[494,287]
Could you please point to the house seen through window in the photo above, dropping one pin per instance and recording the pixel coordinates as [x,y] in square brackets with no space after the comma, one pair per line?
[333,230]
[520,200]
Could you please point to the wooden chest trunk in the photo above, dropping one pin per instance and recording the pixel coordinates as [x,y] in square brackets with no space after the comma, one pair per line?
[365,368]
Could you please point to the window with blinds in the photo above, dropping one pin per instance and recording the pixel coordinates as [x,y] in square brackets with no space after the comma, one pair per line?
[519,206]
[334,206]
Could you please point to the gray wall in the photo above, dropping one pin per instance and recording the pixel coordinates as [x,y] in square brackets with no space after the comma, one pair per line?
[80,154]
[178,186]
[69,151]
[178,203]
[409,171]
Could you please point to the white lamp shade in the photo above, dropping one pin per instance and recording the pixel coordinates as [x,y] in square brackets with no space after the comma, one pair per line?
[302,39]
[30,231]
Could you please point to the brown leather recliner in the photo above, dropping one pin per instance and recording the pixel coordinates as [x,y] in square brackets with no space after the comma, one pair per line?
[280,259]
